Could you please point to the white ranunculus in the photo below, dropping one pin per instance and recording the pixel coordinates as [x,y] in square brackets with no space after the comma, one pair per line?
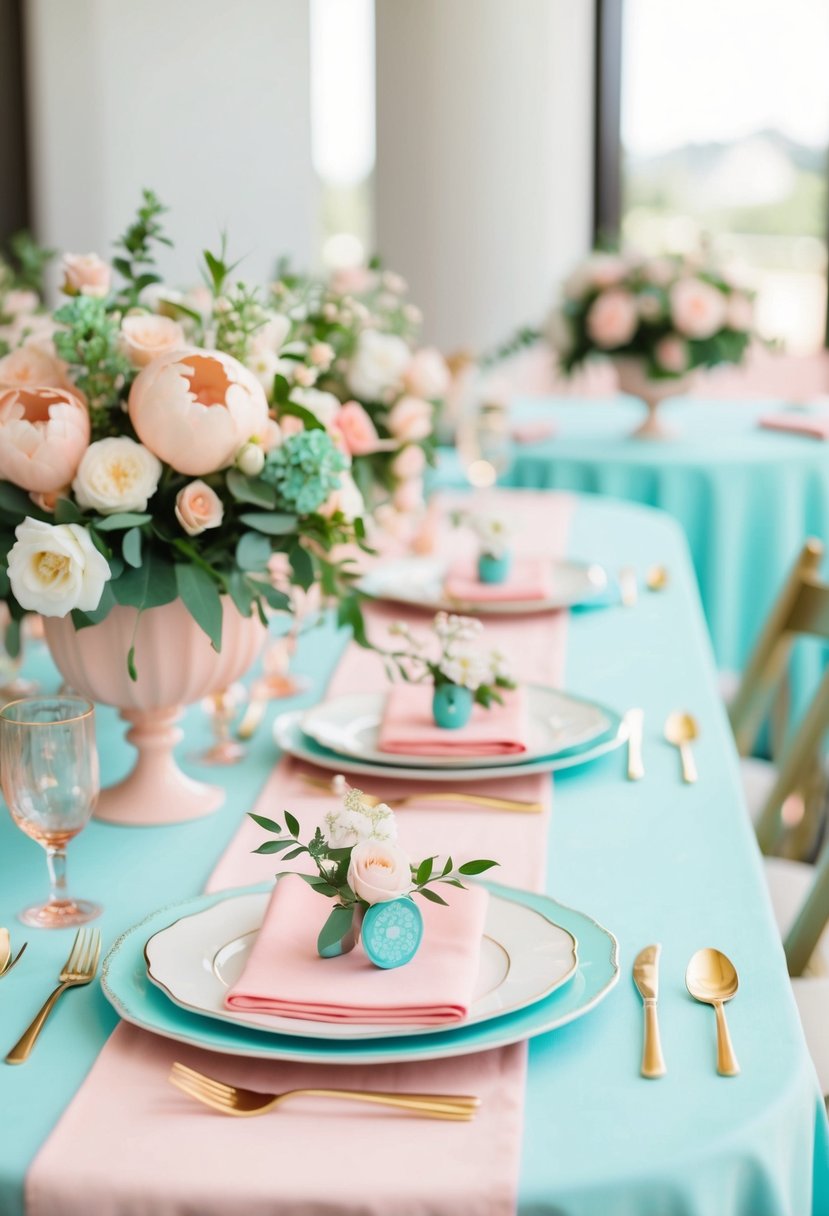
[379,872]
[54,568]
[357,820]
[324,406]
[116,475]
[377,366]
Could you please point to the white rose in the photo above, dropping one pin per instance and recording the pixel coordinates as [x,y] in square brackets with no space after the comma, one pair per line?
[264,364]
[379,872]
[377,365]
[323,406]
[250,459]
[349,499]
[272,334]
[54,568]
[427,374]
[116,475]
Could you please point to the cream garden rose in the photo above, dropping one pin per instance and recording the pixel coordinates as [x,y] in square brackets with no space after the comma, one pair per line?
[379,871]
[378,365]
[116,474]
[86,274]
[198,508]
[613,319]
[698,309]
[55,568]
[427,374]
[145,336]
[410,419]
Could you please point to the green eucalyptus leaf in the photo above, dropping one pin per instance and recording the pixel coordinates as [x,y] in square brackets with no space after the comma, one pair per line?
[270,825]
[335,928]
[149,585]
[131,547]
[292,824]
[272,523]
[302,567]
[432,896]
[253,552]
[250,489]
[200,596]
[476,867]
[424,871]
[124,519]
[67,512]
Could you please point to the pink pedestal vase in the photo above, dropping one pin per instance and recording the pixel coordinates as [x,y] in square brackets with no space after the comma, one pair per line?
[634,381]
[176,666]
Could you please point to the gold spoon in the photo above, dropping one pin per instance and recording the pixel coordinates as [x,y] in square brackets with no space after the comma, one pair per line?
[712,979]
[657,578]
[681,729]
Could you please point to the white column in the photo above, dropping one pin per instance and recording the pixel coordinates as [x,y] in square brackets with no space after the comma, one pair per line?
[484,156]
[204,101]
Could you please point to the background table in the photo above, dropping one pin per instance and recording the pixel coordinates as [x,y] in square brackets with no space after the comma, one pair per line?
[654,861]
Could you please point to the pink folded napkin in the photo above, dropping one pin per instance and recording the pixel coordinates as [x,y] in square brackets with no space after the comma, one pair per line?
[285,976]
[815,426]
[408,727]
[531,578]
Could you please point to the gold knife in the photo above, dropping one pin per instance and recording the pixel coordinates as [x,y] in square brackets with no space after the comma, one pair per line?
[646,979]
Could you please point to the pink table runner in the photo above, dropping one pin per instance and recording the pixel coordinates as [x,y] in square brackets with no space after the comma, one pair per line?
[131,1144]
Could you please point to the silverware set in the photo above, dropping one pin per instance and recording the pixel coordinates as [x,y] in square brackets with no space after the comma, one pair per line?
[681,730]
[710,978]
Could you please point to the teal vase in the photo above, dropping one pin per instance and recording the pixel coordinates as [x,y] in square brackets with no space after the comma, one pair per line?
[392,932]
[348,940]
[494,569]
[452,706]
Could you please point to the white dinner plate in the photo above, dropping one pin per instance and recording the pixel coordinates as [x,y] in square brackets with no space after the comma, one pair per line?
[290,738]
[196,959]
[419,581]
[556,722]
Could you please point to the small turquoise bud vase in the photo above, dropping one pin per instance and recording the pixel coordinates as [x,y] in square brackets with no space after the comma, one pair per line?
[348,940]
[452,706]
[494,569]
[392,932]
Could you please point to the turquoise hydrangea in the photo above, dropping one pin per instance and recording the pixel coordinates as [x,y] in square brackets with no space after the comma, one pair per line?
[305,470]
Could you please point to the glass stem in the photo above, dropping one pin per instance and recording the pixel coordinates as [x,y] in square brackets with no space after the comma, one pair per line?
[56,861]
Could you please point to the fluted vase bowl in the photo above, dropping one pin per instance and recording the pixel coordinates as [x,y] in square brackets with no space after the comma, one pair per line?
[176,666]
[634,380]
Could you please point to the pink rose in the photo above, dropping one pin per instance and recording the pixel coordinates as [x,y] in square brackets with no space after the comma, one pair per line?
[86,274]
[44,432]
[31,367]
[196,408]
[410,419]
[379,871]
[427,374]
[357,429]
[671,354]
[19,303]
[612,319]
[409,462]
[145,336]
[198,508]
[697,308]
[740,313]
[409,495]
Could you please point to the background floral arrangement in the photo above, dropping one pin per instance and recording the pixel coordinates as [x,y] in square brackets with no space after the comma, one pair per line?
[456,658]
[673,312]
[351,364]
[140,462]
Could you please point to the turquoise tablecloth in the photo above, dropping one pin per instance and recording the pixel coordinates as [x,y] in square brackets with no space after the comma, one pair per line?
[655,861]
[747,498]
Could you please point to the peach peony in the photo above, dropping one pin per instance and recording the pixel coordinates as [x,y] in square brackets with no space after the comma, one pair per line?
[32,367]
[697,308]
[196,408]
[613,319]
[44,433]
[146,336]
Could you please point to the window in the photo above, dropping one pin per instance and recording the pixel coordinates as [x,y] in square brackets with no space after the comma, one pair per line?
[725,130]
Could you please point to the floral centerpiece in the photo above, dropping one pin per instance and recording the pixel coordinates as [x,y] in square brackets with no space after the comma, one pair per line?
[658,318]
[351,365]
[141,473]
[358,863]
[494,537]
[461,674]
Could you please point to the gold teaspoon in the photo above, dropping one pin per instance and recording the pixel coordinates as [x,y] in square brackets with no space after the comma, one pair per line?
[657,578]
[681,729]
[712,979]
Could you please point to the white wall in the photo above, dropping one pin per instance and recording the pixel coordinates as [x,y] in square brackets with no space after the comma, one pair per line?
[484,156]
[205,101]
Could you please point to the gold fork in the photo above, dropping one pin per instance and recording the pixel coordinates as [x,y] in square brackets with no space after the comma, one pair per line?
[79,969]
[499,804]
[6,959]
[231,1100]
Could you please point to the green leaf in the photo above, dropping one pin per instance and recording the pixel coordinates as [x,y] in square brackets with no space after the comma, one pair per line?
[448,867]
[292,823]
[250,489]
[131,547]
[272,523]
[295,853]
[200,596]
[273,846]
[424,871]
[335,928]
[302,567]
[131,668]
[476,867]
[253,552]
[326,889]
[350,614]
[270,825]
[149,585]
[432,896]
[343,854]
[16,502]
[310,421]
[241,592]
[93,616]
[125,519]
[277,599]
[66,512]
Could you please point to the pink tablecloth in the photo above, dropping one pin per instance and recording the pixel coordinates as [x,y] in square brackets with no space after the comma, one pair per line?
[131,1144]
